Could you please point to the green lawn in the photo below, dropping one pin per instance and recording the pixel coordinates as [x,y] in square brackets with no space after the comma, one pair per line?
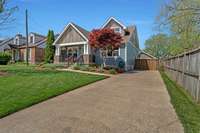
[24,86]
[187,110]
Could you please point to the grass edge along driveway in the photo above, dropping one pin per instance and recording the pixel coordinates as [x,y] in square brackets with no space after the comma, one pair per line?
[26,86]
[187,110]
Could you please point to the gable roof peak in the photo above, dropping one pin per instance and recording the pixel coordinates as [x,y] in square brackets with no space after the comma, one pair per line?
[114,19]
[84,33]
[37,34]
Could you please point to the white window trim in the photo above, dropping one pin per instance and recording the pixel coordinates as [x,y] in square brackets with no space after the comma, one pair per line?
[17,40]
[117,52]
[33,39]
[112,53]
[29,54]
[120,31]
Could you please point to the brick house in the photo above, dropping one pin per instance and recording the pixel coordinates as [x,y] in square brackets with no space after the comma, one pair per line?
[17,47]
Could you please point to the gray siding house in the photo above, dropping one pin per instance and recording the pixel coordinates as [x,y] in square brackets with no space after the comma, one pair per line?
[73,41]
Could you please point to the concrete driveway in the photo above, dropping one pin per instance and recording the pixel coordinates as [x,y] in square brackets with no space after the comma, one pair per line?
[129,103]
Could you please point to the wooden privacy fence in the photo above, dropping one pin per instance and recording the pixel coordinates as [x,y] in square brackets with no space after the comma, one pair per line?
[185,70]
[146,64]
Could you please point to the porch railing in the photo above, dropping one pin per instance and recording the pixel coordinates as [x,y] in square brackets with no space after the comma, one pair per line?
[71,60]
[79,59]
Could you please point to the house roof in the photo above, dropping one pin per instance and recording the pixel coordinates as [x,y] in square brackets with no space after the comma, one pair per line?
[131,30]
[35,44]
[151,56]
[13,45]
[1,41]
[41,42]
[37,34]
[83,32]
[6,41]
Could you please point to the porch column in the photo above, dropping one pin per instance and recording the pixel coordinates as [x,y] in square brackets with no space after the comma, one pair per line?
[86,56]
[57,55]
[13,55]
[85,48]
[58,50]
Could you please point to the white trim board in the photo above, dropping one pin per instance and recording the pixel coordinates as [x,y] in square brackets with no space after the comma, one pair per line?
[65,29]
[71,44]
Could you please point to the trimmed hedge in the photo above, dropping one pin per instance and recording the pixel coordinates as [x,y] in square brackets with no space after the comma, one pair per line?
[4,58]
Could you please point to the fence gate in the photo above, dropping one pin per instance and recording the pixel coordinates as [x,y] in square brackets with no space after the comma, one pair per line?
[146,64]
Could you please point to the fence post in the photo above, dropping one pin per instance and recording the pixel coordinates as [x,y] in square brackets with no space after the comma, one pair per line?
[178,68]
[198,85]
[183,70]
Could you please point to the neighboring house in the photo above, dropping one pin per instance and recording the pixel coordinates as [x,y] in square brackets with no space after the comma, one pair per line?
[17,47]
[11,45]
[73,41]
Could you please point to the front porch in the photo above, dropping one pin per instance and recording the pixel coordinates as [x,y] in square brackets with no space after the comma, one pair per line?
[73,53]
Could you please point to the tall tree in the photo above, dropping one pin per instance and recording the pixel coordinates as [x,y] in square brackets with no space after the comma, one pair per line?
[157,45]
[6,13]
[182,19]
[50,49]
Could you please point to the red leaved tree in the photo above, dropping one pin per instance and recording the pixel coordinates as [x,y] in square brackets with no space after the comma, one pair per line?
[105,39]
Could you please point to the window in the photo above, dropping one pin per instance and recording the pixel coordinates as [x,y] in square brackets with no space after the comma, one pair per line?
[110,53]
[17,41]
[69,52]
[31,39]
[116,52]
[29,54]
[117,29]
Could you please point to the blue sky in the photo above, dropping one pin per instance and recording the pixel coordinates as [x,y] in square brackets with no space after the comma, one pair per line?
[55,14]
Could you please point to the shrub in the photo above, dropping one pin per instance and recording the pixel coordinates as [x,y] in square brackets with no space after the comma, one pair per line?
[4,58]
[112,71]
[121,64]
[93,65]
[120,70]
[92,69]
[50,48]
[76,68]
[107,68]
[85,68]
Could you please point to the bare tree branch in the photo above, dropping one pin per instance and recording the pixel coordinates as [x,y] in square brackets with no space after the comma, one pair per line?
[6,14]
